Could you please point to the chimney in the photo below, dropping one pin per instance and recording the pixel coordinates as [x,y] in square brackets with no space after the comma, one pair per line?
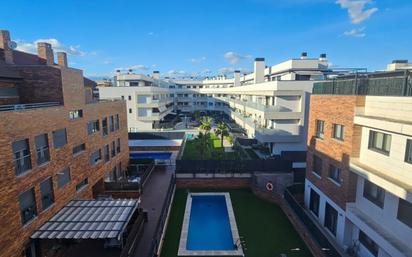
[45,51]
[236,77]
[304,56]
[62,59]
[322,58]
[156,74]
[6,44]
[259,70]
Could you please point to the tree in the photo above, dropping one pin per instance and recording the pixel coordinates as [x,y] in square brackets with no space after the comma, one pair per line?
[222,130]
[203,143]
[206,125]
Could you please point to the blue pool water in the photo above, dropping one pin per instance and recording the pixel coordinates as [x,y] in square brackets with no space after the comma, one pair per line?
[209,227]
[158,156]
[189,136]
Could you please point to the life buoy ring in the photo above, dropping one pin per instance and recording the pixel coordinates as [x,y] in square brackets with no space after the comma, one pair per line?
[269,186]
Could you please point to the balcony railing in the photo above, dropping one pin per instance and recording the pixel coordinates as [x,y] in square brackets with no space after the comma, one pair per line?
[259,106]
[278,135]
[20,107]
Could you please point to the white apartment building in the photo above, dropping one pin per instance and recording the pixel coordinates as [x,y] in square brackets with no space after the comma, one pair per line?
[148,99]
[270,104]
[382,211]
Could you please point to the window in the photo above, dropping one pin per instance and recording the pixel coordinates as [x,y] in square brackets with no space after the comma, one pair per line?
[59,138]
[46,191]
[111,123]
[42,149]
[374,193]
[314,202]
[338,132]
[118,146]
[22,159]
[408,153]
[27,206]
[117,122]
[93,127]
[75,114]
[331,219]
[78,149]
[130,98]
[320,128]
[368,243]
[110,176]
[379,142]
[130,110]
[142,112]
[122,97]
[334,173]
[82,184]
[95,157]
[404,212]
[113,149]
[106,153]
[317,165]
[63,177]
[104,127]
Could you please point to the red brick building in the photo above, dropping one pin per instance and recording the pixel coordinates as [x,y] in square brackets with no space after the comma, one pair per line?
[58,142]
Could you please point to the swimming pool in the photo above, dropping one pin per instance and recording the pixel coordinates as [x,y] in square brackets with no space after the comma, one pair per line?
[189,136]
[157,156]
[209,226]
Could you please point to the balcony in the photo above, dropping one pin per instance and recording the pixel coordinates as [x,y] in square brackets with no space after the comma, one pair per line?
[278,135]
[22,107]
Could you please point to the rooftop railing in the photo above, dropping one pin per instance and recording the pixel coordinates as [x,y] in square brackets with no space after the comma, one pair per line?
[363,85]
[20,107]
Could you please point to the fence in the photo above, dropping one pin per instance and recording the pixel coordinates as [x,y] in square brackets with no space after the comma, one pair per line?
[314,230]
[163,215]
[233,166]
[133,237]
[364,85]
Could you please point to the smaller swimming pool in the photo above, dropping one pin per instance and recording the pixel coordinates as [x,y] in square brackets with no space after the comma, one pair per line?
[154,155]
[189,136]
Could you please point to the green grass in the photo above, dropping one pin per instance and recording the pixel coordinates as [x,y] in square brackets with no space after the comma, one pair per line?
[263,225]
[214,151]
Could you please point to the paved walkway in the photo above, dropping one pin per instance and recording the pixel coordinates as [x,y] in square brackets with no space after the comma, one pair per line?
[153,197]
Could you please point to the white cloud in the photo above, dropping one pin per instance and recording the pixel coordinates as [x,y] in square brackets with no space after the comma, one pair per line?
[138,67]
[230,70]
[56,44]
[107,62]
[234,58]
[355,33]
[198,60]
[356,9]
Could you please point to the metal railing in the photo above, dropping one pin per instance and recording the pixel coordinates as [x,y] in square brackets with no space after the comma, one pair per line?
[21,107]
[260,106]
[303,216]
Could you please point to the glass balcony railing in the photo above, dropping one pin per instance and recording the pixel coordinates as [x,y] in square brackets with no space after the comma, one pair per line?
[258,106]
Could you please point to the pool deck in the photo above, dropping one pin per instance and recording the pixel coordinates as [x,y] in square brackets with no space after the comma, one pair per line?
[182,251]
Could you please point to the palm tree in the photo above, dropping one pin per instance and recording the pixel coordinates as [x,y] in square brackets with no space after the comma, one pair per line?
[206,124]
[203,140]
[222,130]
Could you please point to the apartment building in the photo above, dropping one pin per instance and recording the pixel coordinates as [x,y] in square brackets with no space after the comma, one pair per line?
[148,99]
[359,162]
[58,142]
[270,104]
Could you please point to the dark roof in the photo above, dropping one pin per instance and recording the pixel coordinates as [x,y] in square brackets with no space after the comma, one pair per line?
[88,219]
[8,73]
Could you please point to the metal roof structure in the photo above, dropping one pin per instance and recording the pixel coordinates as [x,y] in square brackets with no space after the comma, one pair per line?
[89,219]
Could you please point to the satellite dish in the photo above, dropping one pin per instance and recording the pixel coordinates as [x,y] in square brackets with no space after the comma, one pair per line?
[12,44]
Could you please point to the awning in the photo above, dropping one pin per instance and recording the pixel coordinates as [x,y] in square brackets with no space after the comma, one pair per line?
[89,219]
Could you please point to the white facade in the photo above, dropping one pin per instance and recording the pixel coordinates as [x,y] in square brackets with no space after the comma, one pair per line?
[270,104]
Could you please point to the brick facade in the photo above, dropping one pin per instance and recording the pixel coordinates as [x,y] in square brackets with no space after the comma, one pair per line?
[333,110]
[65,85]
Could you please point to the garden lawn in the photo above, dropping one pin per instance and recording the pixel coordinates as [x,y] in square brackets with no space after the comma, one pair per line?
[214,151]
[263,226]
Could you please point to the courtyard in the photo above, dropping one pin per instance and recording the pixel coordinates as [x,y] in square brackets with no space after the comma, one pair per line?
[263,227]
